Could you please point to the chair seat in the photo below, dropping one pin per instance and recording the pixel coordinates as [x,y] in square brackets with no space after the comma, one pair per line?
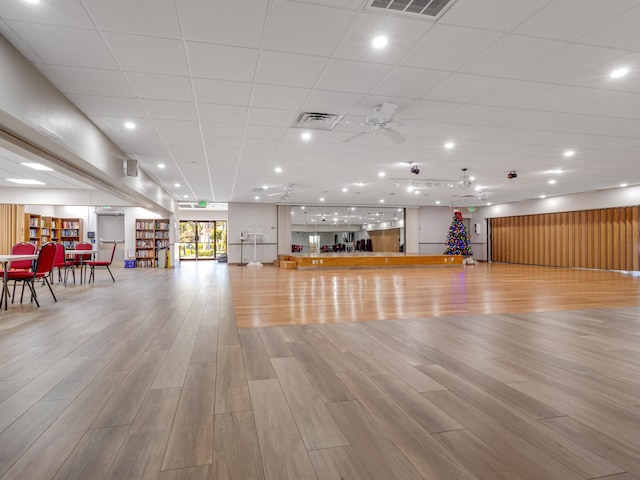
[18,275]
[98,263]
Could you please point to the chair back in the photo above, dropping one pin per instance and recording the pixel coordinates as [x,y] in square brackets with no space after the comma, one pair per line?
[113,252]
[23,248]
[80,256]
[46,257]
[60,258]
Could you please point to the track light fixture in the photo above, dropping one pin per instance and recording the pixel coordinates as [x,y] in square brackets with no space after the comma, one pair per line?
[464,181]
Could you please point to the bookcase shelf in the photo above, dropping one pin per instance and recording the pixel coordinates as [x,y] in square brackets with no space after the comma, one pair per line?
[151,235]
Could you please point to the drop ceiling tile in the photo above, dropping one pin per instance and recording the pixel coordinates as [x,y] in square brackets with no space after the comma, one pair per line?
[511,54]
[261,144]
[557,98]
[210,112]
[217,142]
[136,53]
[271,116]
[511,93]
[222,129]
[91,81]
[568,63]
[449,48]
[266,132]
[600,77]
[288,69]
[124,108]
[222,92]
[501,15]
[402,34]
[348,76]
[19,43]
[221,62]
[461,88]
[331,102]
[408,82]
[143,17]
[187,149]
[169,110]
[272,96]
[473,115]
[426,109]
[236,23]
[621,32]
[558,18]
[178,127]
[182,140]
[66,46]
[161,87]
[301,28]
[63,13]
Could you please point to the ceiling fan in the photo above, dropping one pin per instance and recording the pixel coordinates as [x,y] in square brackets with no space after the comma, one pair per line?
[285,192]
[381,120]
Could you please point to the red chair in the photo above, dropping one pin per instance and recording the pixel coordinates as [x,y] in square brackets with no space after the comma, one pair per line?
[42,269]
[95,264]
[60,262]
[22,248]
[82,259]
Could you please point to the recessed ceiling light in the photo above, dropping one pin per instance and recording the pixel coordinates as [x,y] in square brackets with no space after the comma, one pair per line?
[552,181]
[25,181]
[409,189]
[382,200]
[543,196]
[129,125]
[176,184]
[256,197]
[473,179]
[416,192]
[488,204]
[278,169]
[335,213]
[265,187]
[303,207]
[353,209]
[360,184]
[37,166]
[381,174]
[449,145]
[557,171]
[306,136]
[161,165]
[399,209]
[569,153]
[335,219]
[345,189]
[32,1]
[437,202]
[623,185]
[380,42]
[322,199]
[185,196]
[619,72]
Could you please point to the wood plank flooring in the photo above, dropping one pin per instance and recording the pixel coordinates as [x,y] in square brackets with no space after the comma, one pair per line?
[495,372]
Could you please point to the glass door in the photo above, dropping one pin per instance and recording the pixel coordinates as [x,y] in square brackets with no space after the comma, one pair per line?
[202,240]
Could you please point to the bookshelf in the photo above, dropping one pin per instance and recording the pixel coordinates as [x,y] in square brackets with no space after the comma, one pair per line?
[70,231]
[151,235]
[33,228]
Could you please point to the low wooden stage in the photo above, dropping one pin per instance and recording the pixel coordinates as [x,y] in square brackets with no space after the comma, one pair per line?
[365,259]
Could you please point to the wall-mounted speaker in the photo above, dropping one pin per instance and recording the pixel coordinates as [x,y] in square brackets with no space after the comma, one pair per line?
[130,168]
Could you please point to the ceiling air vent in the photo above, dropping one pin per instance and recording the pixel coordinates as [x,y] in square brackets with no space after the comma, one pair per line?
[430,9]
[317,121]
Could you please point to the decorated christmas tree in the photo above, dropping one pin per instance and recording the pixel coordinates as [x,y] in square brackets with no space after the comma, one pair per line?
[458,242]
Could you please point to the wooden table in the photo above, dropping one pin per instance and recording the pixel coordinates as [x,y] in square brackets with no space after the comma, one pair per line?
[93,254]
[6,259]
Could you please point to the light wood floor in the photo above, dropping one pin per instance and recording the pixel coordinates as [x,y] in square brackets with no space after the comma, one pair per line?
[151,378]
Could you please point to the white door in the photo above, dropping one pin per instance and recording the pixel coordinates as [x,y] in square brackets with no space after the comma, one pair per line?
[110,229]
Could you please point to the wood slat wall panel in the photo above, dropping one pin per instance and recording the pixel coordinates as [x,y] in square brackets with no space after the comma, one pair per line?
[604,239]
[11,226]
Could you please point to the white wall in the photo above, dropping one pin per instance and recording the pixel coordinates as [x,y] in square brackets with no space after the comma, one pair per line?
[434,228]
[252,217]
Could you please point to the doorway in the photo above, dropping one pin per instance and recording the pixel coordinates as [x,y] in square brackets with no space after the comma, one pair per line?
[202,240]
[110,230]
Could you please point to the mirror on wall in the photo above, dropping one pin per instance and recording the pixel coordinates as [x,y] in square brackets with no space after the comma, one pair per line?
[346,230]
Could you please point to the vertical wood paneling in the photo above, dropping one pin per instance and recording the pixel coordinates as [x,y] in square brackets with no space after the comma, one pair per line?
[11,226]
[604,239]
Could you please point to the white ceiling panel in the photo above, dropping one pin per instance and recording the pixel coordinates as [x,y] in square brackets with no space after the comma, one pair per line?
[271,96]
[301,28]
[178,127]
[511,93]
[402,33]
[63,13]
[557,98]
[169,110]
[237,23]
[511,54]
[160,87]
[558,19]
[449,48]
[408,82]
[288,69]
[108,106]
[348,76]
[472,85]
[331,102]
[271,116]
[501,15]
[209,112]
[222,129]
[222,62]
[569,63]
[91,81]
[72,47]
[155,18]
[265,132]
[135,53]
[621,32]
[221,91]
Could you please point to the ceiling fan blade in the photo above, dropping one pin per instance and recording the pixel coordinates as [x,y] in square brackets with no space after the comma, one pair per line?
[274,194]
[352,138]
[386,111]
[395,136]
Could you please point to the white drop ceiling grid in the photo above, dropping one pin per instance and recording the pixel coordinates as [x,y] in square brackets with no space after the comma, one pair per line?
[214,88]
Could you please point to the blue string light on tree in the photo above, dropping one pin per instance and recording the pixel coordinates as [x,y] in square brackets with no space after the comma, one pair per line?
[458,242]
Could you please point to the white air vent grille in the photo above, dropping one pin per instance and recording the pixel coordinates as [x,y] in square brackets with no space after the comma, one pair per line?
[431,9]
[317,121]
